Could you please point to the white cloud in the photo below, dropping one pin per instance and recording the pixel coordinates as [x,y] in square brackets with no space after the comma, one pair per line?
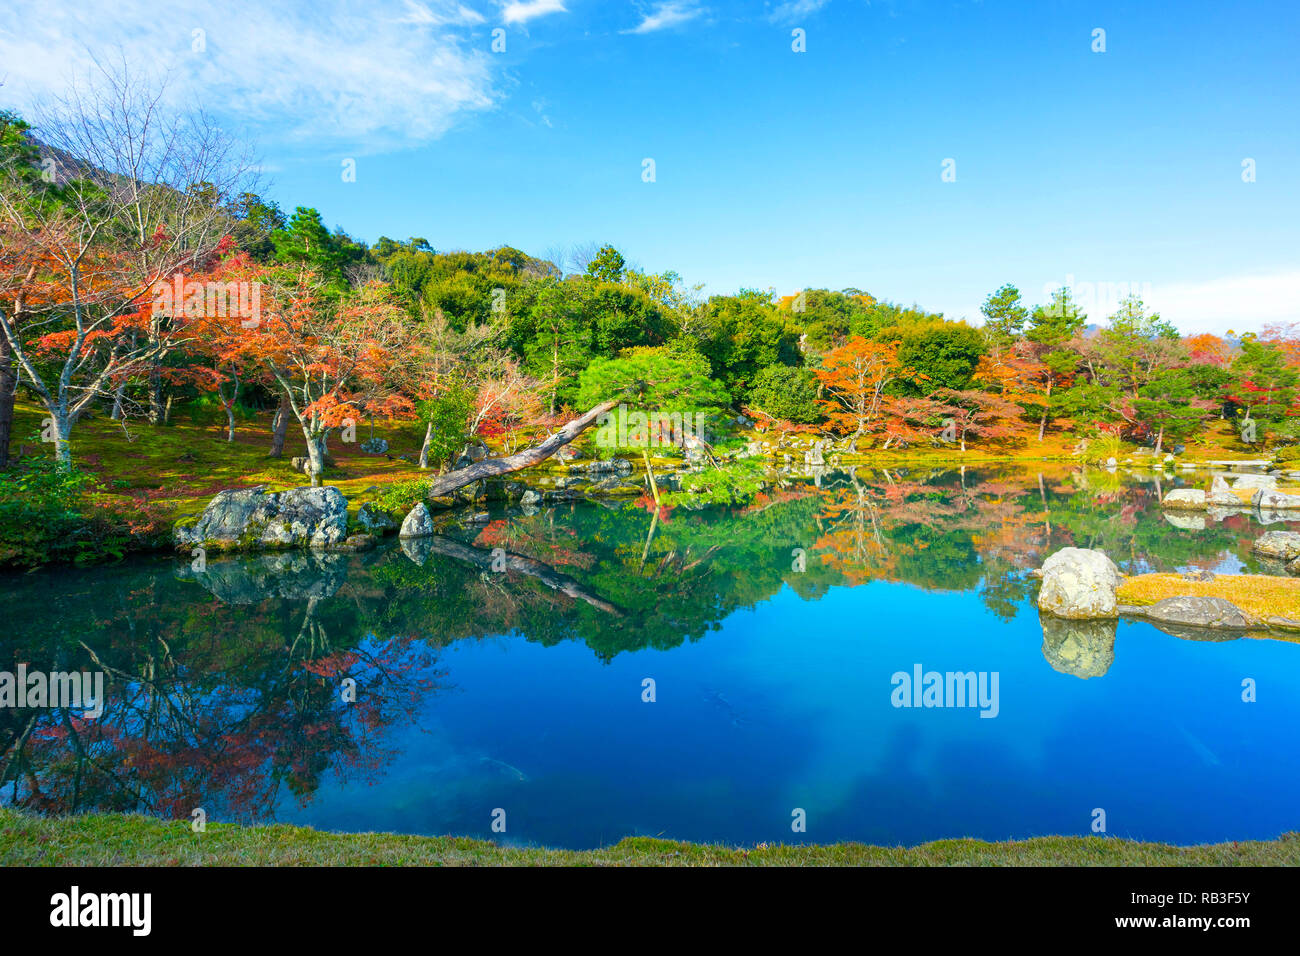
[439,13]
[366,76]
[796,9]
[666,15]
[521,11]
[1242,303]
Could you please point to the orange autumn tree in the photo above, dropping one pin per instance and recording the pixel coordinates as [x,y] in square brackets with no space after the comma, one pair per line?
[70,313]
[1209,349]
[134,192]
[332,356]
[855,376]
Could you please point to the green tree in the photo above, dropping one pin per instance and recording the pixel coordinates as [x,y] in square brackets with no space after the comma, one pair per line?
[786,393]
[742,334]
[256,222]
[1004,317]
[607,266]
[940,355]
[1051,328]
[1264,389]
[1168,405]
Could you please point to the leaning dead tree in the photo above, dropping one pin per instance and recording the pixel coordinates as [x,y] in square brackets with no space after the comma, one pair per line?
[491,467]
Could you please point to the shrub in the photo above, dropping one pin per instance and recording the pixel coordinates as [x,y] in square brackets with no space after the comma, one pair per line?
[400,497]
[786,393]
[46,517]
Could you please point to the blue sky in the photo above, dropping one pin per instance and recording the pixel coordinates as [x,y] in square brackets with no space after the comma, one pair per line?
[773,168]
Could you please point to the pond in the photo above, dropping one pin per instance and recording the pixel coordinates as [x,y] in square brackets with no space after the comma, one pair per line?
[584,672]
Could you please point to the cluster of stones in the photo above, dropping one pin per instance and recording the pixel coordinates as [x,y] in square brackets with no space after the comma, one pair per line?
[1265,497]
[1082,584]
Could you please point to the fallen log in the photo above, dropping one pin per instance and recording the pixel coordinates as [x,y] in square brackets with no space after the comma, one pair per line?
[491,467]
[487,560]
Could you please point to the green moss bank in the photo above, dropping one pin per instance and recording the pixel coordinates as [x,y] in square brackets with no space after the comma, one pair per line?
[127,840]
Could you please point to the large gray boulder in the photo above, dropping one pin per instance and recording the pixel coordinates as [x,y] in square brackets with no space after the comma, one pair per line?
[608,466]
[1267,482]
[1080,584]
[253,519]
[1266,500]
[1221,495]
[1194,611]
[371,519]
[417,524]
[1279,545]
[1189,499]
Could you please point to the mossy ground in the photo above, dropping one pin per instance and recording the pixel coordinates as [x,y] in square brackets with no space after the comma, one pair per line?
[1261,595]
[182,465]
[128,840]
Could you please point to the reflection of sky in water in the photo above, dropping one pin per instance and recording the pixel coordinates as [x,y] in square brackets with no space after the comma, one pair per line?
[786,704]
[789,706]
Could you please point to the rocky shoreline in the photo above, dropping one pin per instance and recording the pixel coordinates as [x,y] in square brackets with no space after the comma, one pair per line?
[1082,584]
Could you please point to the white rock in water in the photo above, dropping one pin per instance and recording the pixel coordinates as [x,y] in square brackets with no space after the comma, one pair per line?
[251,519]
[1080,584]
[1256,481]
[1266,500]
[1187,498]
[417,524]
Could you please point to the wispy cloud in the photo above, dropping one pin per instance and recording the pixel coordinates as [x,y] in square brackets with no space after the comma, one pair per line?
[1243,303]
[364,76]
[796,10]
[521,11]
[436,14]
[665,15]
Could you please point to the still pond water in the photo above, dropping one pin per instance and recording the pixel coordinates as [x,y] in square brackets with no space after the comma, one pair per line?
[524,691]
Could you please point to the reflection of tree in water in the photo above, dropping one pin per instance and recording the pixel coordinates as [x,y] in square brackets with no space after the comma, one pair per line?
[207,704]
[224,690]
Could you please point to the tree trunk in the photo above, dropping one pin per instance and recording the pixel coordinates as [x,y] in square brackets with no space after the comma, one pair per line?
[118,392]
[315,455]
[1042,422]
[280,426]
[230,422]
[491,467]
[424,449]
[157,413]
[62,430]
[1160,439]
[8,386]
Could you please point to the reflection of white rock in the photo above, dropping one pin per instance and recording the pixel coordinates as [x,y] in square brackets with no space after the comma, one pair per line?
[417,549]
[1079,583]
[1082,648]
[1267,482]
[1188,522]
[1274,517]
[1190,499]
[1282,545]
